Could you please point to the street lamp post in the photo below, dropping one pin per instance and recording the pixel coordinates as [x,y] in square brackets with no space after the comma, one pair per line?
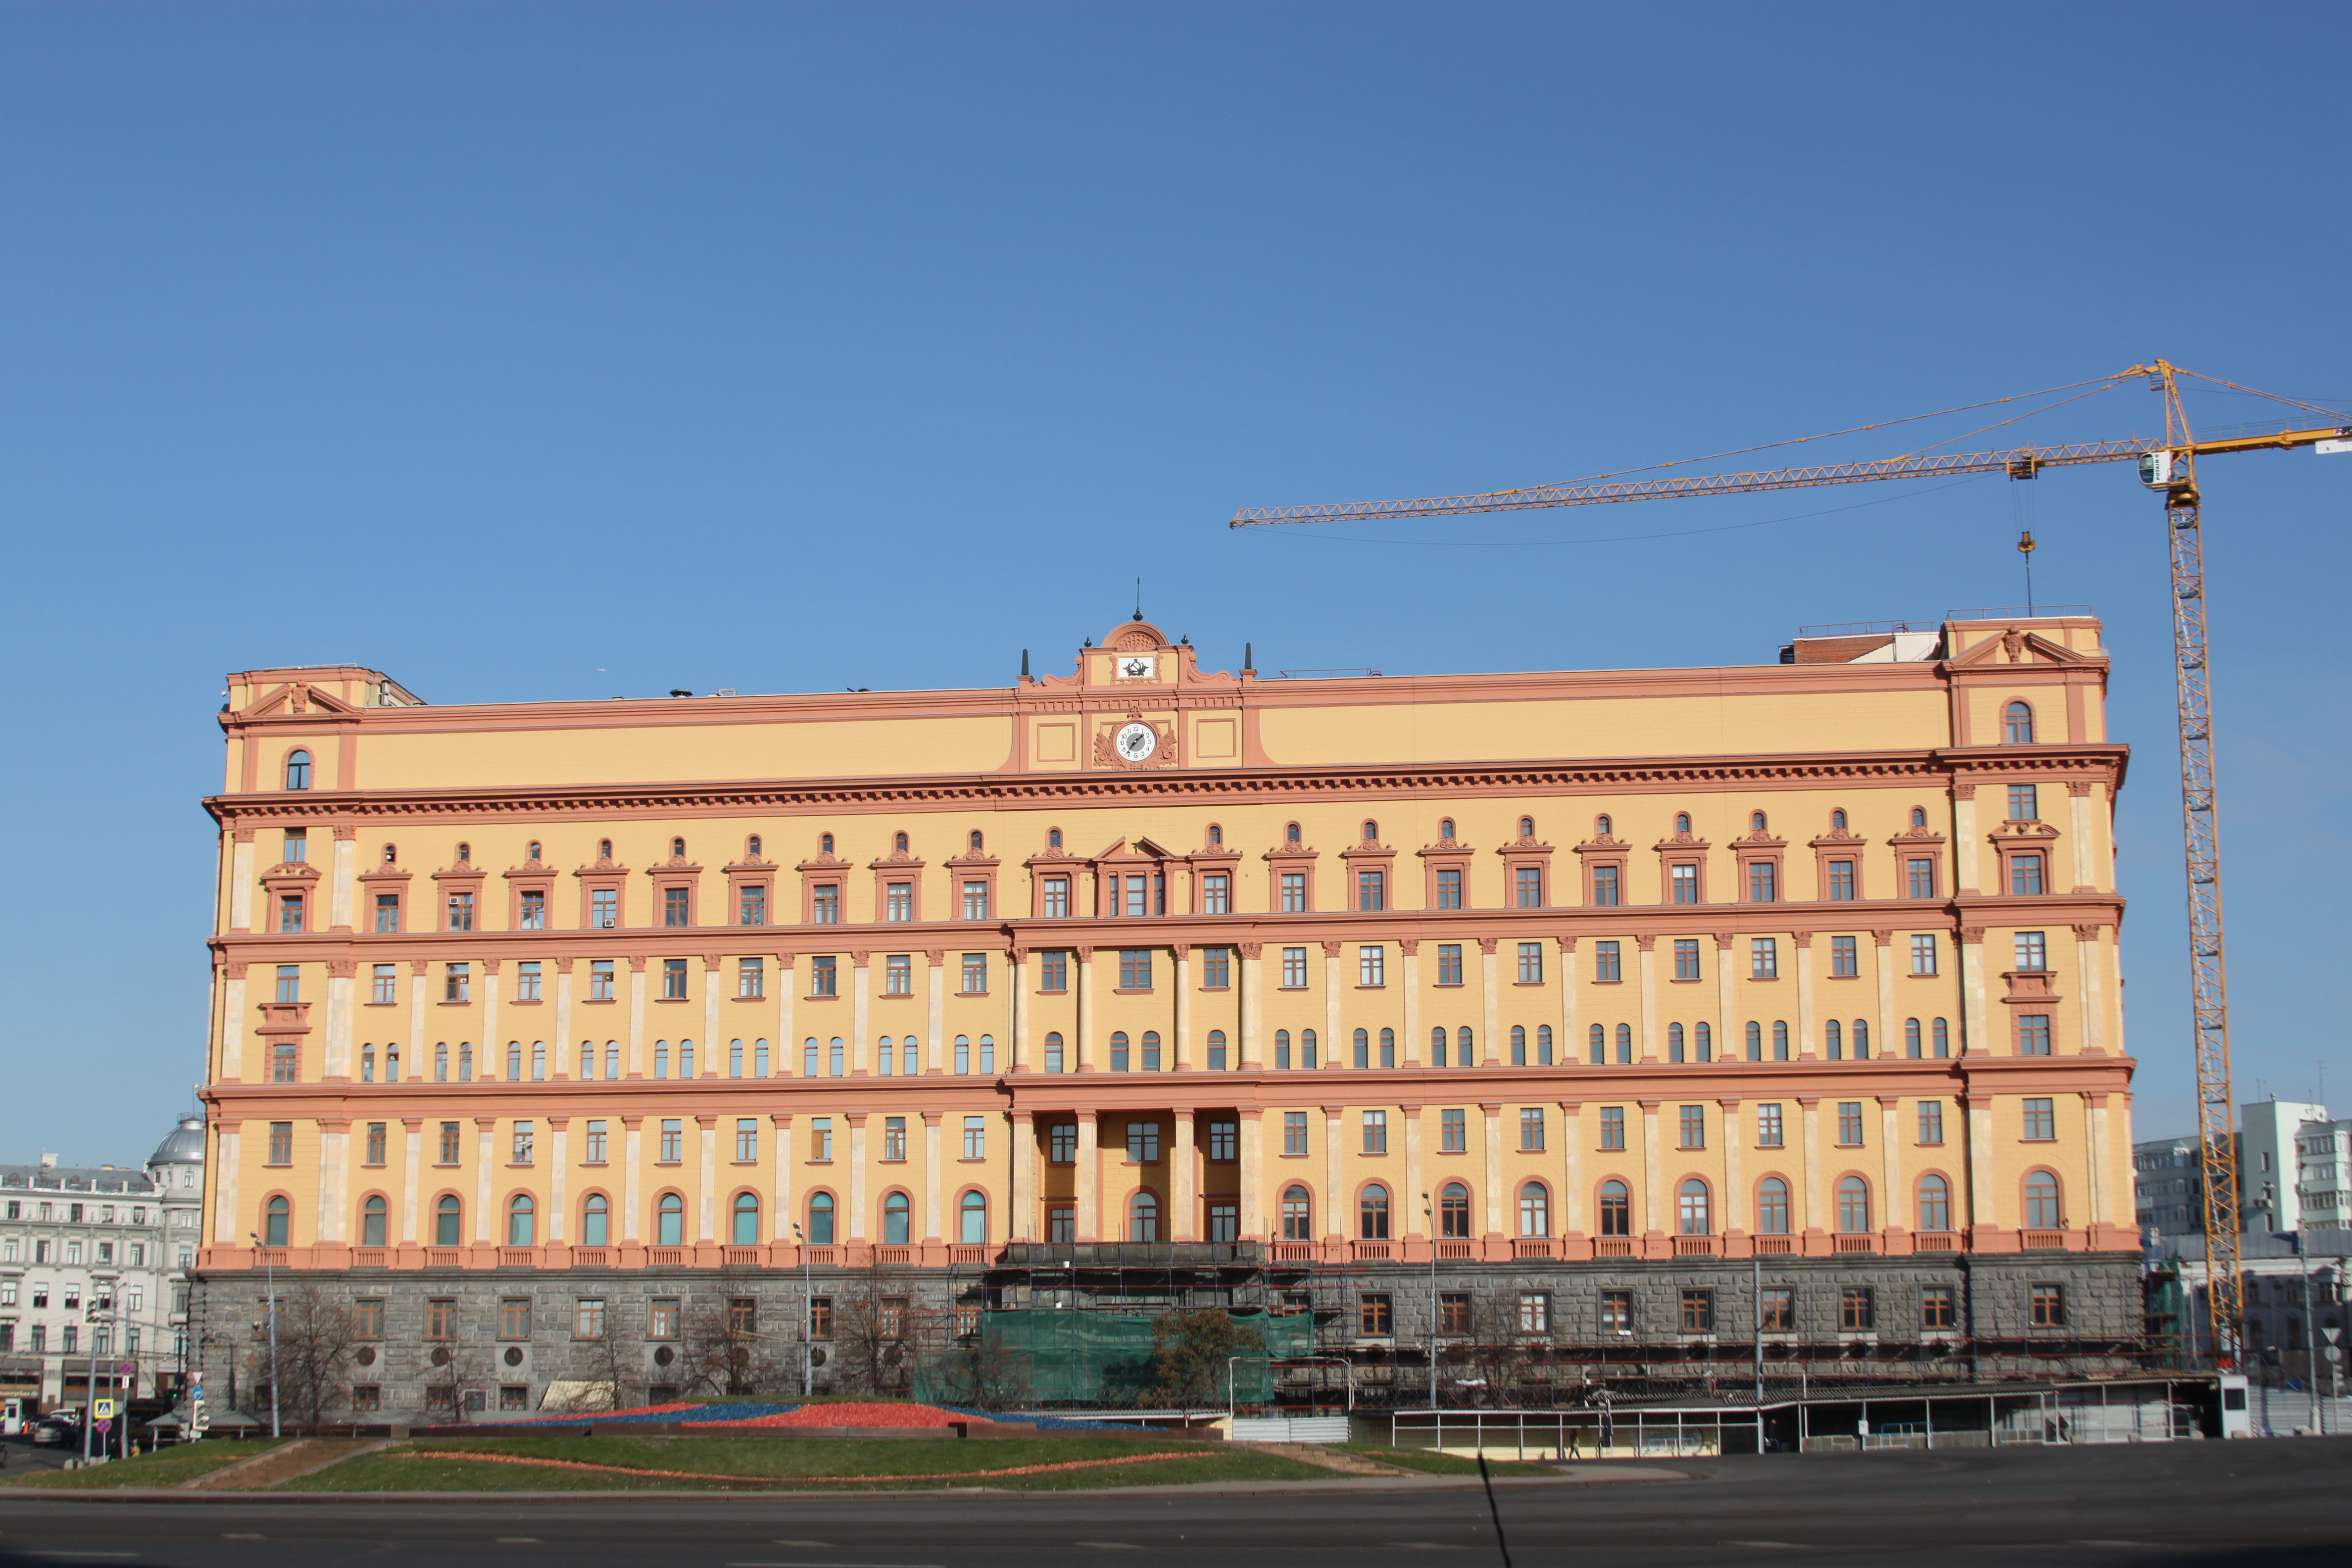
[269,1273]
[1430,1220]
[808,1313]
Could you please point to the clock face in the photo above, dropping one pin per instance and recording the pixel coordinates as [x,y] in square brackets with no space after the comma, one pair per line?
[1137,742]
[1135,667]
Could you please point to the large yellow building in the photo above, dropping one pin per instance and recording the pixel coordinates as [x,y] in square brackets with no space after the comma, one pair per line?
[1590,987]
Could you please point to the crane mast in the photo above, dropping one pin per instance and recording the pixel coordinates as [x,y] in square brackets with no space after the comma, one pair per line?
[2171,469]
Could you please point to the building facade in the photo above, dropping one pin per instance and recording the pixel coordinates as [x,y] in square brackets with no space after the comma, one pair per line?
[534,1020]
[94,1266]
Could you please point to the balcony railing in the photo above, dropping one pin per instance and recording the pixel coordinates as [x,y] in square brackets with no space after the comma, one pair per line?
[1694,1246]
[1936,1241]
[445,1257]
[591,1258]
[1775,1245]
[367,1258]
[518,1257]
[1457,1249]
[1613,1246]
[1531,1246]
[665,1257]
[2046,1241]
[1857,1244]
[1133,1254]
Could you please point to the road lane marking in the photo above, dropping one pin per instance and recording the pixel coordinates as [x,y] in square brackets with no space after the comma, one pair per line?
[1109,1545]
[1428,1546]
[1779,1546]
[515,1540]
[800,1544]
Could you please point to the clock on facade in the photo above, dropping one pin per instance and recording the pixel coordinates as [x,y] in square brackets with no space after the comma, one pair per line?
[1135,667]
[1137,742]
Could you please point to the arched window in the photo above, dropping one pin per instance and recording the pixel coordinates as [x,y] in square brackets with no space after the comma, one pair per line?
[1616,1209]
[1281,1048]
[820,1219]
[1674,1051]
[1598,1038]
[1297,1214]
[522,1221]
[1363,1048]
[898,844]
[1143,1217]
[824,843]
[448,1216]
[1446,828]
[1853,1204]
[976,843]
[2016,727]
[367,1063]
[1053,839]
[297,770]
[1682,822]
[465,855]
[1690,1207]
[1453,1212]
[1119,1044]
[1388,1048]
[1518,1045]
[2042,1210]
[1862,1039]
[1771,1206]
[1919,816]
[1543,1045]
[276,1220]
[1152,1049]
[1935,1203]
[1601,826]
[669,1220]
[596,1221]
[532,853]
[1754,1042]
[1833,1040]
[1437,1046]
[1462,1046]
[1780,1042]
[1624,1045]
[894,1219]
[1755,821]
[1371,831]
[972,1219]
[1290,833]
[1837,820]
[604,850]
[1527,827]
[747,1219]
[1216,1050]
[1372,1214]
[391,854]
[373,1215]
[392,1063]
[1912,1046]
[1943,1038]
[1702,1043]
[752,848]
[1534,1209]
[1216,837]
[677,848]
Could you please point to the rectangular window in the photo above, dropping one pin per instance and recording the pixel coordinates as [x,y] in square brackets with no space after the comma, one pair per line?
[2042,1120]
[1135,968]
[1845,959]
[2025,876]
[1449,963]
[975,1138]
[1763,958]
[285,1062]
[1062,1143]
[1616,1311]
[662,1318]
[461,912]
[1224,1140]
[449,1143]
[2049,1305]
[1372,890]
[457,982]
[673,980]
[1856,1309]
[297,846]
[1938,1307]
[375,1143]
[751,904]
[1919,873]
[898,902]
[1841,881]
[1694,1126]
[514,1318]
[441,1318]
[975,900]
[281,1144]
[2024,802]
[1777,1310]
[588,1317]
[367,1319]
[1053,971]
[1057,897]
[899,975]
[975,974]
[522,1143]
[387,912]
[1606,965]
[1376,1132]
[1449,889]
[894,1138]
[1293,892]
[1763,881]
[1454,1132]
[751,979]
[1531,1130]
[2032,951]
[1767,1127]
[599,979]
[1375,1315]
[527,981]
[1686,958]
[1216,968]
[1931,1122]
[1528,880]
[1923,953]
[1453,1312]
[824,903]
[1612,1127]
[2033,1034]
[1294,967]
[1849,1124]
[673,1141]
[1684,877]
[1216,894]
[1371,966]
[1605,890]
[1535,1312]
[604,908]
[1531,956]
[531,914]
[289,982]
[821,1140]
[1698,1312]
[824,975]
[1294,1131]
[747,1140]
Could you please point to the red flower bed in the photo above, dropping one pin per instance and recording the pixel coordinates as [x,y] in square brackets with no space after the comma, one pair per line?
[850,1416]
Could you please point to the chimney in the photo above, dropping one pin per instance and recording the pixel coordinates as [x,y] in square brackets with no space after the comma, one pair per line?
[48,1161]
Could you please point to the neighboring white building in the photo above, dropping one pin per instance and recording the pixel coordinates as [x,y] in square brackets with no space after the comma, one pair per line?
[2269,1198]
[93,1269]
[2294,1173]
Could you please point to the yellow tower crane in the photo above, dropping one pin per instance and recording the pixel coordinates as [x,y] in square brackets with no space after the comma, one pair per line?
[2169,468]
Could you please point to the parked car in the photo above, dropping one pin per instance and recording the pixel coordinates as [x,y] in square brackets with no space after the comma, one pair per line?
[58,1431]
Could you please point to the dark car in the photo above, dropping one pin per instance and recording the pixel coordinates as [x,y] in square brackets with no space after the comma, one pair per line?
[56,1431]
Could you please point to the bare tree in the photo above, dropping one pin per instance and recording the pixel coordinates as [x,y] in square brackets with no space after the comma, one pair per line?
[722,1352]
[315,1339]
[1191,1352]
[872,1335]
[612,1375]
[1499,1361]
[451,1371]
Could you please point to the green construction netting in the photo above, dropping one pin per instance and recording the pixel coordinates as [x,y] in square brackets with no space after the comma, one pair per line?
[1072,1357]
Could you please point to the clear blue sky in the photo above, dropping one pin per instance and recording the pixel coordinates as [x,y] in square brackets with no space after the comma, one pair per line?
[578,350]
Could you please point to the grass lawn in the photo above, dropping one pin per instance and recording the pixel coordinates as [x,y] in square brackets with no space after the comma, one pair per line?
[938,1463]
[1429,1461]
[166,1468]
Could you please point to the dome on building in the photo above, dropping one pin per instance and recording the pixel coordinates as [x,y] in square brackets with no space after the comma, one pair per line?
[184,1145]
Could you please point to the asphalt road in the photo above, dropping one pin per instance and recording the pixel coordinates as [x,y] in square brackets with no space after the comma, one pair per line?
[2284,1503]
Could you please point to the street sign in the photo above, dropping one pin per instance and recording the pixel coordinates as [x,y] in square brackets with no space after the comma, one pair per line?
[104,1424]
[103,1409]
[128,1368]
[2332,1336]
